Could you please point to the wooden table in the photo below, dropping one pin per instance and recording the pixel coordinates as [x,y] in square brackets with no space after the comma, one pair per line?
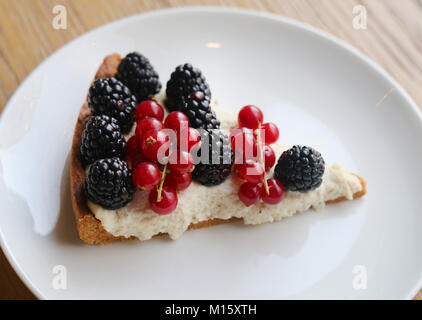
[392,38]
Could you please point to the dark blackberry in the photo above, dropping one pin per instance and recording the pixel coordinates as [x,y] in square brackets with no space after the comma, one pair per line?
[109,183]
[215,164]
[101,139]
[197,108]
[183,81]
[111,97]
[300,169]
[138,74]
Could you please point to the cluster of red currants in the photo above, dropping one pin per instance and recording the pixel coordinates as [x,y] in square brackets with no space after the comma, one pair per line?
[160,154]
[254,157]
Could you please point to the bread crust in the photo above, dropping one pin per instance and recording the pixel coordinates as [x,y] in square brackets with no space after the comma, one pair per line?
[90,229]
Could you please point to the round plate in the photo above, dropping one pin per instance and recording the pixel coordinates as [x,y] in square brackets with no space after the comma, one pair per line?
[318,90]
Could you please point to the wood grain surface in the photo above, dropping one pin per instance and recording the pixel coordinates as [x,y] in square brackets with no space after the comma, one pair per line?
[392,38]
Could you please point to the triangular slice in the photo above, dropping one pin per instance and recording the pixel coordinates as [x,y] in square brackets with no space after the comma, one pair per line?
[198,206]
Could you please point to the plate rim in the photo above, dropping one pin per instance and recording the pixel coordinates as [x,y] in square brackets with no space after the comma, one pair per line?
[204,9]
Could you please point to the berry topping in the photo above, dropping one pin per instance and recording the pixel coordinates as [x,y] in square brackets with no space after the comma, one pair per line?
[164,204]
[176,120]
[275,192]
[146,125]
[133,147]
[137,73]
[254,157]
[155,144]
[149,108]
[244,144]
[109,183]
[249,193]
[269,156]
[152,142]
[197,108]
[250,117]
[251,171]
[188,139]
[269,133]
[300,169]
[181,162]
[133,161]
[183,81]
[146,176]
[178,181]
[111,97]
[101,139]
[133,152]
[218,159]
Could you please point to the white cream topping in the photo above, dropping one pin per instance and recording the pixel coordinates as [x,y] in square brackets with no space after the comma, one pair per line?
[200,203]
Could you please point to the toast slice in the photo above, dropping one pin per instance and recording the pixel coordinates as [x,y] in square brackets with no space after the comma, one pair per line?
[91,230]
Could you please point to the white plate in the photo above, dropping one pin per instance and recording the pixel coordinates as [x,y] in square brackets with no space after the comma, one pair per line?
[319,91]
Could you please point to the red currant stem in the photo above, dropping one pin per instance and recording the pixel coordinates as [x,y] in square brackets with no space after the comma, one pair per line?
[160,187]
[262,158]
[163,176]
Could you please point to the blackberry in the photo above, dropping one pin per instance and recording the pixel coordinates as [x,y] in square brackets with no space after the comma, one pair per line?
[138,74]
[300,169]
[109,183]
[183,81]
[101,139]
[216,163]
[111,97]
[197,108]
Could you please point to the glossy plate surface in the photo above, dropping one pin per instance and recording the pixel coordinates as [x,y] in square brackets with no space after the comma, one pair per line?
[319,91]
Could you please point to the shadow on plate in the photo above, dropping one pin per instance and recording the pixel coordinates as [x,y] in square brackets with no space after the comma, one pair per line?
[65,230]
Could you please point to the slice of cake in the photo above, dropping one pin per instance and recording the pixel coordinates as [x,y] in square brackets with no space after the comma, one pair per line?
[218,193]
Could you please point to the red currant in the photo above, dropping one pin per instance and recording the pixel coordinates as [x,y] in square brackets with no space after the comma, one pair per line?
[149,108]
[250,117]
[146,176]
[178,181]
[176,120]
[188,138]
[155,144]
[134,152]
[239,132]
[249,193]
[243,144]
[133,147]
[251,171]
[269,157]
[181,161]
[276,192]
[269,133]
[168,200]
[194,138]
[147,124]
[135,160]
